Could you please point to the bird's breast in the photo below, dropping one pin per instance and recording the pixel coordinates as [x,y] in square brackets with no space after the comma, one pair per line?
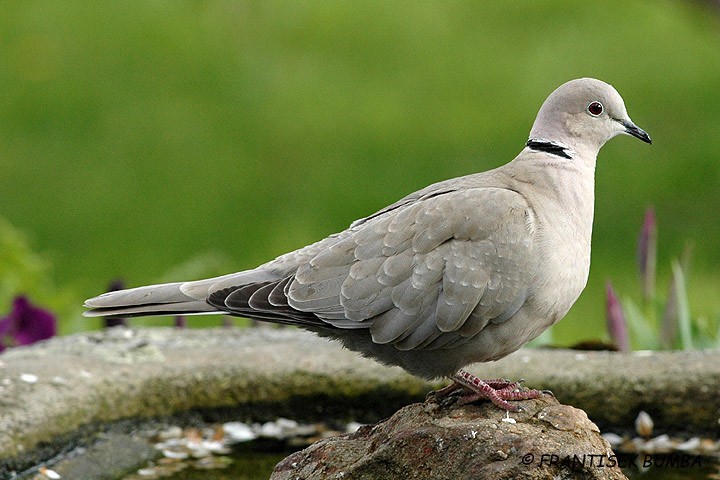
[564,249]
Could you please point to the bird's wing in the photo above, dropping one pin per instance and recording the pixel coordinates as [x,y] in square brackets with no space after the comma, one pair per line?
[423,275]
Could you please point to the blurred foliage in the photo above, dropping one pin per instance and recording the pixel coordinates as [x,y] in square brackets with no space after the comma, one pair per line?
[668,322]
[25,272]
[657,321]
[21,269]
[137,135]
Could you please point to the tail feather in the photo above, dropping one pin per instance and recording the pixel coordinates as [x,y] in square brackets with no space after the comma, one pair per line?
[186,298]
[196,307]
[163,299]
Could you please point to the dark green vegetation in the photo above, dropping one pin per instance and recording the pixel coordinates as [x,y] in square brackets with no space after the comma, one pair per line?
[157,141]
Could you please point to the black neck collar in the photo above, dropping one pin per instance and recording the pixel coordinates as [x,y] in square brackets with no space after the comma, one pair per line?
[548,147]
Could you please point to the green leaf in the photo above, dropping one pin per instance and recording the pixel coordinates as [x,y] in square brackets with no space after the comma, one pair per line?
[643,331]
[21,269]
[683,307]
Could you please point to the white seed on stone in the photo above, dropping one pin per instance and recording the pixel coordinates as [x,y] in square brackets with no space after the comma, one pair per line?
[507,418]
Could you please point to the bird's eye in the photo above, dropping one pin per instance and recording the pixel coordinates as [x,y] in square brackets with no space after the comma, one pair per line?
[595,108]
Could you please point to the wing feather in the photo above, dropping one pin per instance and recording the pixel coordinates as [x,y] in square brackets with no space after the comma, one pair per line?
[426,274]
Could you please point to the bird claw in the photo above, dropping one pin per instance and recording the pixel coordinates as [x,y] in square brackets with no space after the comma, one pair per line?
[498,391]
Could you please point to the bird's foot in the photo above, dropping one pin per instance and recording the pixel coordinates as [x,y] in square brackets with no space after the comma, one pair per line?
[498,391]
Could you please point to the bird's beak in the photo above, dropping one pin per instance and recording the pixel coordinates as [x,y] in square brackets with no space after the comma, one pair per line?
[635,131]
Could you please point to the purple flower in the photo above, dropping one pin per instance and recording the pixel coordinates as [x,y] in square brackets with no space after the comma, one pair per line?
[616,324]
[26,324]
[181,321]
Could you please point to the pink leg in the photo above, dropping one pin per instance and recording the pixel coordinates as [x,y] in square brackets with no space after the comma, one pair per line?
[498,391]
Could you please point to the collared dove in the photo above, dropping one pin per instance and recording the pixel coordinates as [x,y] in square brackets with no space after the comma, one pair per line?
[466,270]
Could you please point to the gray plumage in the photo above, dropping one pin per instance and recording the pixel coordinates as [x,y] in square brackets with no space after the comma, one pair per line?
[466,270]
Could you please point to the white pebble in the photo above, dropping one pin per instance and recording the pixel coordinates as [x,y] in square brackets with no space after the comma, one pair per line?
[353,427]
[174,454]
[146,472]
[660,444]
[612,438]
[29,378]
[239,432]
[51,474]
[689,444]
[170,432]
[644,424]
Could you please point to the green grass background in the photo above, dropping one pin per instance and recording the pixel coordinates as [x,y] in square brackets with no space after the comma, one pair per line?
[157,139]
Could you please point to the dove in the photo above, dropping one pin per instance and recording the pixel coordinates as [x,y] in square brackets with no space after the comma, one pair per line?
[463,271]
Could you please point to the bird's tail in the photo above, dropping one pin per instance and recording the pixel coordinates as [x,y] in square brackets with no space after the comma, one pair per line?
[180,298]
[164,299]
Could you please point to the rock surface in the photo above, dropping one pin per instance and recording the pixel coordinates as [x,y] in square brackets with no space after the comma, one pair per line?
[61,392]
[57,392]
[434,442]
